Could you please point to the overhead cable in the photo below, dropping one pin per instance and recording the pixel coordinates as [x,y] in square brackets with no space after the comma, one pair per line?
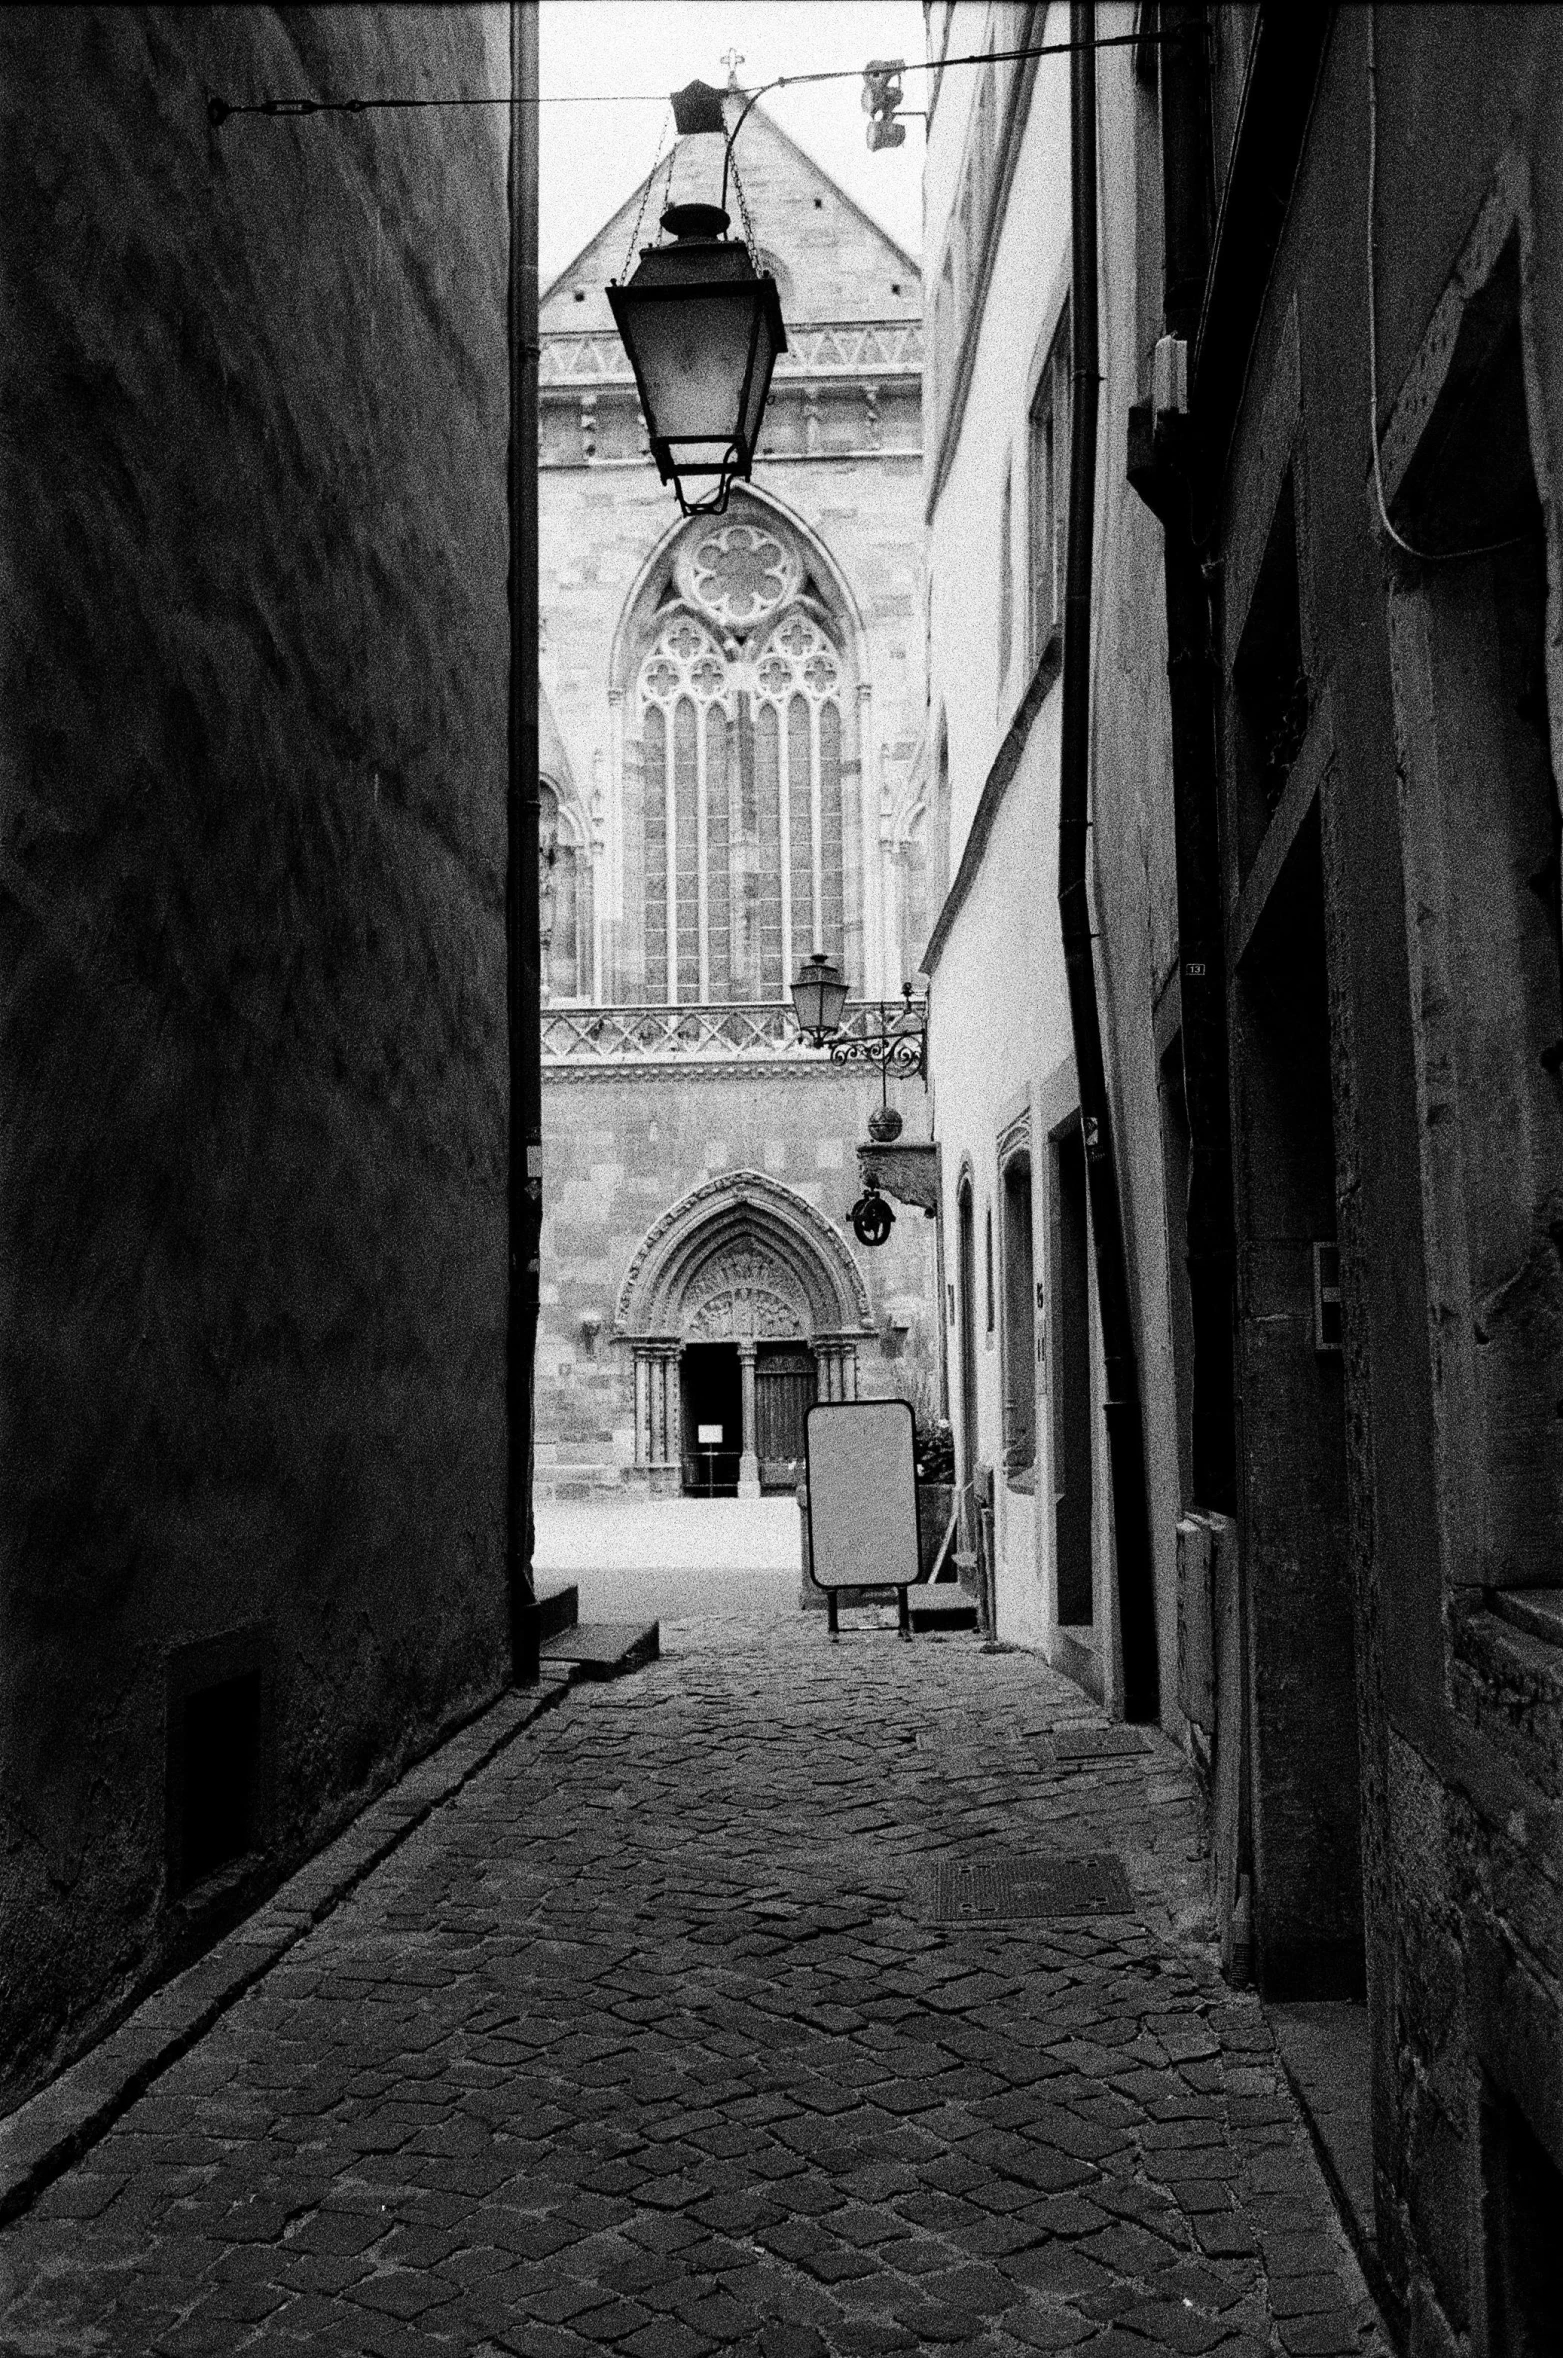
[219,110]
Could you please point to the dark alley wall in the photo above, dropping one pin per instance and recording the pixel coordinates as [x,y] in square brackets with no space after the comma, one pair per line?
[253,742]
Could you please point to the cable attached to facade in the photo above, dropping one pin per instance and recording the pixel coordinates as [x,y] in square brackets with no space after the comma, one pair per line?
[218,110]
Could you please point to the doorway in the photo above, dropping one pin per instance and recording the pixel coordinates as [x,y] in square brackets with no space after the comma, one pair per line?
[1303,1765]
[1072,1472]
[784,1391]
[713,1420]
[966,1287]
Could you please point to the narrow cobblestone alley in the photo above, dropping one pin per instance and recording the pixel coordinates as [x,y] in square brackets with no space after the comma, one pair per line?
[653,2040]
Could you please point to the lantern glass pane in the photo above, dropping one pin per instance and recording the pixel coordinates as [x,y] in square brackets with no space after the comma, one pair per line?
[819,994]
[760,382]
[806,998]
[694,354]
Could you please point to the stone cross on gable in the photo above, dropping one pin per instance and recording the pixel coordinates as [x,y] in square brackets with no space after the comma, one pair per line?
[733,60]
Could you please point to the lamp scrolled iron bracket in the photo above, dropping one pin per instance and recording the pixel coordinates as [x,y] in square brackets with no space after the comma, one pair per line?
[894,1053]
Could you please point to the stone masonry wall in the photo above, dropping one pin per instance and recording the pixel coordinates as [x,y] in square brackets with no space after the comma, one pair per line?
[252,736]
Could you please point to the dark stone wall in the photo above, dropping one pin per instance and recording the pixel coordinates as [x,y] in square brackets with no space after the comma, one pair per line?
[1460,1716]
[253,743]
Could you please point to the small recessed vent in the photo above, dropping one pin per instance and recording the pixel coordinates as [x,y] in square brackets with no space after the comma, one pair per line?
[221,1744]
[219,1740]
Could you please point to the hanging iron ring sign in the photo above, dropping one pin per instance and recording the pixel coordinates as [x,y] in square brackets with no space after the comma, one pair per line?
[871,1217]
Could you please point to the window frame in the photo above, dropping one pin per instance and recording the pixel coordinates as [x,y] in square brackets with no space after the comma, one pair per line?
[1047,483]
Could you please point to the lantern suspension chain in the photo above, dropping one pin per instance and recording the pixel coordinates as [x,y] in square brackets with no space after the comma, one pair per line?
[646,188]
[743,208]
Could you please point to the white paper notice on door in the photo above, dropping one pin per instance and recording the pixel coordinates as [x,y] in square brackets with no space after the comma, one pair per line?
[862,1494]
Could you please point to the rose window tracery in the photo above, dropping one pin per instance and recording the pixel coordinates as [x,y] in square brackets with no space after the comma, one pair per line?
[740,573]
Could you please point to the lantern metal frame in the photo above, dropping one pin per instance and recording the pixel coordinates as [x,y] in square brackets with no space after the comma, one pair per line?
[820,972]
[696,229]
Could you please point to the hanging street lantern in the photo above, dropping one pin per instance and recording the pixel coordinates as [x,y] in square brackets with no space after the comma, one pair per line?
[819,993]
[703,329]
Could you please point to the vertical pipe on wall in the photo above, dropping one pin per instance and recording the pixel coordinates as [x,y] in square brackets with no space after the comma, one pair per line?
[1125,1442]
[523,914]
[1186,214]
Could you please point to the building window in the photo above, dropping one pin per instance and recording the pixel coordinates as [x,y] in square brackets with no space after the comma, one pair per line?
[914,893]
[745,810]
[1481,843]
[1019,1341]
[939,846]
[564,884]
[1523,2192]
[1270,680]
[1049,473]
[1006,575]
[946,339]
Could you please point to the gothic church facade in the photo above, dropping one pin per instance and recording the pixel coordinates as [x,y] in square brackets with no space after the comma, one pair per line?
[731,760]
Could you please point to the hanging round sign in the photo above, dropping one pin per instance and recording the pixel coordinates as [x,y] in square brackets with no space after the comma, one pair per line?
[871,1217]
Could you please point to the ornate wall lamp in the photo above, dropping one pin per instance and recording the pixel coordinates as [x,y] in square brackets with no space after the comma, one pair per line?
[897,1044]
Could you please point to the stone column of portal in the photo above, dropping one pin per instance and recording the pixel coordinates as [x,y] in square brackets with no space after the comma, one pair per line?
[828,1359]
[675,1413]
[748,1463]
[642,1406]
[664,1456]
[849,1371]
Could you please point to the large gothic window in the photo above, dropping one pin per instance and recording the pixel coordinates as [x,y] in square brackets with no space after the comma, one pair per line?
[744,819]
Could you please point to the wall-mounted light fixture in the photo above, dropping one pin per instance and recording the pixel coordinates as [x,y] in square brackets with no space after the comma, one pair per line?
[894,1033]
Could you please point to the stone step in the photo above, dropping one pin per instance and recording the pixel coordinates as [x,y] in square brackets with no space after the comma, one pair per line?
[931,1617]
[558,1609]
[605,1649]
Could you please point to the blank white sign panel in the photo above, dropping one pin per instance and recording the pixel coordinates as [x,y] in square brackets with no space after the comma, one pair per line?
[862,1494]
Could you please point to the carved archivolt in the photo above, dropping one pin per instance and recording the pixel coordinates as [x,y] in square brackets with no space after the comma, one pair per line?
[742,1296]
[742,1256]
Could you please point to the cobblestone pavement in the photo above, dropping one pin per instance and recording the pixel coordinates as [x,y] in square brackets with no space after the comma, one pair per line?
[650,2041]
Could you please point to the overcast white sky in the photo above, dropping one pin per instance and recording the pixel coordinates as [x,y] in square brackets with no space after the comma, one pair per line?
[593,155]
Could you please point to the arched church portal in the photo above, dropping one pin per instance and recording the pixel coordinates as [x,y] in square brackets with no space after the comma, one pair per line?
[742,1306]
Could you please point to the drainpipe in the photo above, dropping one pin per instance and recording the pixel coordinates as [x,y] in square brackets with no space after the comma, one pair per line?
[1186,212]
[523,913]
[1125,1436]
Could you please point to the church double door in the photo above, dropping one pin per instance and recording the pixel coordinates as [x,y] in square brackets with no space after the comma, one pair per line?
[784,1389]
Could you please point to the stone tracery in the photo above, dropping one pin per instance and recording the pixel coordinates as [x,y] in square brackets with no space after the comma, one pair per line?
[746,816]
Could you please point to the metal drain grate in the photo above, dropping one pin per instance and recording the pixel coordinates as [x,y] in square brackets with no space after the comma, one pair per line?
[1031,1890]
[1097,1743]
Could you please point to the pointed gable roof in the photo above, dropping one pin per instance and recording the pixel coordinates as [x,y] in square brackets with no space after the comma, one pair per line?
[832,262]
